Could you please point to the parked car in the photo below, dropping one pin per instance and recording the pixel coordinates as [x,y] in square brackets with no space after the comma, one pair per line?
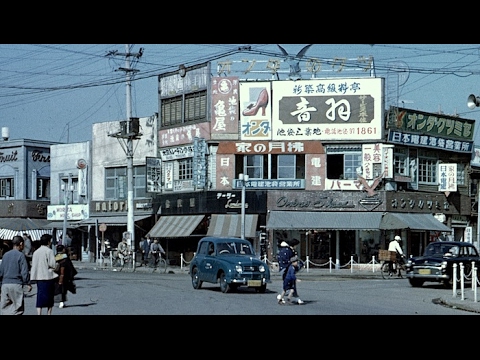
[230,262]
[436,263]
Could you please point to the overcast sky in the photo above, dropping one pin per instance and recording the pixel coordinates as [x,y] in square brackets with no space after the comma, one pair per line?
[56,92]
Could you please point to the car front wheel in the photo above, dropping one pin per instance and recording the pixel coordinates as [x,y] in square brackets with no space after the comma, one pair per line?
[416,282]
[224,286]
[196,282]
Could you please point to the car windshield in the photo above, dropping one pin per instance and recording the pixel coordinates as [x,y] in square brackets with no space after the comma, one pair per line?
[234,248]
[441,249]
[437,249]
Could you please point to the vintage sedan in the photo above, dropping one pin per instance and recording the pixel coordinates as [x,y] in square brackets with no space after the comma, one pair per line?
[230,262]
[437,263]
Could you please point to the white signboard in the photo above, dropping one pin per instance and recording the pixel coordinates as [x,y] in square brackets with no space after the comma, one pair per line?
[447,177]
[328,109]
[468,236]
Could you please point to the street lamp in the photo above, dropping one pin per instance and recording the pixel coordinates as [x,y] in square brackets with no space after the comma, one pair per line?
[243,178]
[66,188]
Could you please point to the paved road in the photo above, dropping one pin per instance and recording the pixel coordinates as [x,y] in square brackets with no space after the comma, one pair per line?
[146,293]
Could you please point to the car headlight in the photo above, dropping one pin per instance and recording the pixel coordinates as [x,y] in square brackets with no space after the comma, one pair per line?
[261,268]
[238,268]
[443,265]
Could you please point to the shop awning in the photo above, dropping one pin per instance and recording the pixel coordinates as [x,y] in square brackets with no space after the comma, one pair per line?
[345,220]
[9,227]
[175,226]
[59,225]
[231,225]
[422,222]
[110,220]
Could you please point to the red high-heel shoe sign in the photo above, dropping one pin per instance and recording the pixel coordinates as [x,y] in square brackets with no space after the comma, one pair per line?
[255,111]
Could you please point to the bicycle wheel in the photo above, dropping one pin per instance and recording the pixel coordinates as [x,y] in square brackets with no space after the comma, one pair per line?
[162,265]
[401,268]
[385,270]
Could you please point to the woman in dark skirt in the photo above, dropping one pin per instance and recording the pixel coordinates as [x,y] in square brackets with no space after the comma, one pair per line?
[43,273]
[45,293]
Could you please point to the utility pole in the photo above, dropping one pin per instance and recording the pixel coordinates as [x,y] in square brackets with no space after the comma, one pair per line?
[129,135]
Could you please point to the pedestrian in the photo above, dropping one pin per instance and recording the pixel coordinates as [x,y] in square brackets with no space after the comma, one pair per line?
[290,283]
[145,246]
[285,252]
[66,276]
[155,250]
[122,250]
[14,275]
[28,247]
[43,273]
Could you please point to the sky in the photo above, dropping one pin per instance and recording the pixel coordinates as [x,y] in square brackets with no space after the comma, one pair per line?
[55,92]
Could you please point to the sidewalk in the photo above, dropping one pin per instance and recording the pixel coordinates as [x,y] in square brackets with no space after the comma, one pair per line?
[467,304]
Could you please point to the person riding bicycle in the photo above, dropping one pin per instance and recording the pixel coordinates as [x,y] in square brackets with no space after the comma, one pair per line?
[394,246]
[156,249]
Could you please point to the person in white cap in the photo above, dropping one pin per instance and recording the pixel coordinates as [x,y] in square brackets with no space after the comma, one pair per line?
[394,246]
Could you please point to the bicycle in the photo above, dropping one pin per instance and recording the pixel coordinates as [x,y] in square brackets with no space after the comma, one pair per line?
[117,261]
[397,270]
[161,263]
[389,257]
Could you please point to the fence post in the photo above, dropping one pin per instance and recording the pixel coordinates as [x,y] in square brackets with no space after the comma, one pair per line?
[474,281]
[307,263]
[330,263]
[373,263]
[181,261]
[473,265]
[454,275]
[462,283]
[351,263]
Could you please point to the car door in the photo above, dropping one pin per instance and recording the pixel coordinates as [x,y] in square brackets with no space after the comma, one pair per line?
[208,263]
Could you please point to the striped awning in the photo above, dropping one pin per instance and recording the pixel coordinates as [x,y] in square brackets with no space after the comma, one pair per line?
[231,225]
[9,227]
[175,226]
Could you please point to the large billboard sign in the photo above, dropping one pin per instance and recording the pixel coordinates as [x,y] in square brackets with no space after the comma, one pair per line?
[328,109]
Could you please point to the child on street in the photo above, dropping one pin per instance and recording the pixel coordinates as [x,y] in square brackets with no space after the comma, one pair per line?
[290,283]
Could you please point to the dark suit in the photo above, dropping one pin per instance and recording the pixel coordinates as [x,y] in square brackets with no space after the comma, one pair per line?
[145,250]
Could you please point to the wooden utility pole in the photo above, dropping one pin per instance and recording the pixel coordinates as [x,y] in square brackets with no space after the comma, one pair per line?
[129,135]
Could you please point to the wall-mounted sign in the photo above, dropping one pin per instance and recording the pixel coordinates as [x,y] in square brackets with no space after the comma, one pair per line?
[435,125]
[154,174]
[429,141]
[328,109]
[447,177]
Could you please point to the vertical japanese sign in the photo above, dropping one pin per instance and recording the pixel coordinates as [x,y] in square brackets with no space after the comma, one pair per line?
[387,161]
[199,163]
[468,234]
[371,154]
[224,106]
[154,174]
[169,175]
[447,177]
[255,111]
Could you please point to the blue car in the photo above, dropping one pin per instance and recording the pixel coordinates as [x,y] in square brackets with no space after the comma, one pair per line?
[230,262]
